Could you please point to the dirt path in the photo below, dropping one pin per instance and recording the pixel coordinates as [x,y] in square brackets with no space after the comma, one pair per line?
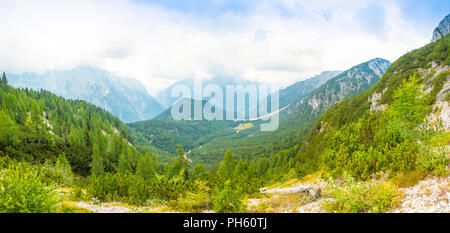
[104,208]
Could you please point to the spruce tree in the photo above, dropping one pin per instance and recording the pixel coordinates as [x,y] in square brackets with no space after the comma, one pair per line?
[97,168]
[123,165]
[64,169]
[227,165]
[199,171]
[4,80]
[146,167]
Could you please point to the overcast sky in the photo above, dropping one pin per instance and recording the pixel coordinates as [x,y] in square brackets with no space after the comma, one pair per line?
[161,41]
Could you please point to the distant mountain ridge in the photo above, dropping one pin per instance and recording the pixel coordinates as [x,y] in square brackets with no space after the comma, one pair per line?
[442,29]
[326,89]
[166,99]
[123,97]
[296,91]
[348,84]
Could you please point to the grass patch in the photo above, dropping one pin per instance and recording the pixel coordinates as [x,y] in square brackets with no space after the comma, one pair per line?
[280,203]
[361,197]
[447,97]
[70,207]
[244,126]
[408,179]
[313,177]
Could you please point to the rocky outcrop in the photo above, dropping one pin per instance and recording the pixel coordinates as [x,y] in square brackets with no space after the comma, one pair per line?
[374,99]
[440,113]
[442,30]
[348,84]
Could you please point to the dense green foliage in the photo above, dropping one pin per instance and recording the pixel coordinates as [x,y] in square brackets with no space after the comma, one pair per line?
[352,135]
[52,140]
[38,126]
[359,197]
[166,134]
[385,141]
[23,189]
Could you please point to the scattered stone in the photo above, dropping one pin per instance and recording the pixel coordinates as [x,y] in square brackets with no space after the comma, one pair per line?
[431,195]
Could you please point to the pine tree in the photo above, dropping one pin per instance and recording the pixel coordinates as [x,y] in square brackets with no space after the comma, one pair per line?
[146,167]
[240,168]
[8,131]
[407,106]
[64,169]
[123,165]
[179,167]
[199,171]
[227,165]
[97,167]
[4,80]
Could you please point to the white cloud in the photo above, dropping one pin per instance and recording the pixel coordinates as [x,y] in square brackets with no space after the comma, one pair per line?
[159,46]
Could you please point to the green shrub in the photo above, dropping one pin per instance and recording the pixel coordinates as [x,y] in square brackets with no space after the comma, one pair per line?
[77,194]
[228,199]
[393,140]
[133,189]
[361,197]
[60,172]
[408,179]
[433,159]
[124,187]
[447,97]
[23,191]
[193,201]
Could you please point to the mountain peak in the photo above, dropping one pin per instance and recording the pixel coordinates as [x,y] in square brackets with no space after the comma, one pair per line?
[442,29]
[379,65]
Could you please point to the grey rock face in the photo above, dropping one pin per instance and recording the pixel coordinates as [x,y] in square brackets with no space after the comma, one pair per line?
[349,83]
[442,30]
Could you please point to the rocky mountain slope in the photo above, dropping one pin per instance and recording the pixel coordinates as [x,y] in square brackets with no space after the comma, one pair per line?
[298,90]
[349,83]
[430,64]
[298,118]
[442,29]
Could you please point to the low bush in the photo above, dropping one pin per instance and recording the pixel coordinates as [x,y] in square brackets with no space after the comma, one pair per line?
[361,197]
[228,199]
[23,191]
[408,179]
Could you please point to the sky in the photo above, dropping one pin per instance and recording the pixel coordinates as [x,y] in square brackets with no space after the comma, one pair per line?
[162,41]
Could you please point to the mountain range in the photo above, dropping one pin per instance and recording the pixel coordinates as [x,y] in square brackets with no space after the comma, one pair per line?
[352,141]
[123,97]
[305,101]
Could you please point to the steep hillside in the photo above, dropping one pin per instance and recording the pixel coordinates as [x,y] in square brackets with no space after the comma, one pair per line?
[431,66]
[298,90]
[297,119]
[124,98]
[38,126]
[349,83]
[167,134]
[164,133]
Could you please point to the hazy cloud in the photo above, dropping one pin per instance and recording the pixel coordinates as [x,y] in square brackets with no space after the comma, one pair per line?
[159,42]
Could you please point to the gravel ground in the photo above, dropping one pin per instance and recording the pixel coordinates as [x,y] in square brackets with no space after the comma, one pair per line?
[431,195]
[103,208]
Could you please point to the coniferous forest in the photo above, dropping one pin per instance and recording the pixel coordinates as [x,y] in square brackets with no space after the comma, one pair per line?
[358,150]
